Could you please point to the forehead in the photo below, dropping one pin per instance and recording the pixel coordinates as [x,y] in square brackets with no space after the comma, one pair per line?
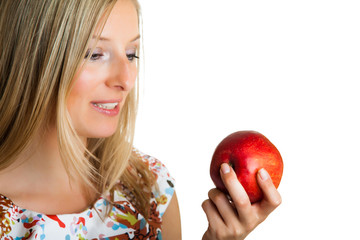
[122,23]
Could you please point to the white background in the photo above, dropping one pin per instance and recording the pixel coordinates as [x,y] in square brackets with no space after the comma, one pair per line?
[288,69]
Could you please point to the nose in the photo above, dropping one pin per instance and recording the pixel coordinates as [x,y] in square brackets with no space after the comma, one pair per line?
[122,75]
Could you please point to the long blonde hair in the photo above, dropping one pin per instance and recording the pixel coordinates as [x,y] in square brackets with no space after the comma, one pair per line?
[43,44]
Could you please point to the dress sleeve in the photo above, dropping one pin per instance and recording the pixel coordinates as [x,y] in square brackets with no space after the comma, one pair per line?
[165,188]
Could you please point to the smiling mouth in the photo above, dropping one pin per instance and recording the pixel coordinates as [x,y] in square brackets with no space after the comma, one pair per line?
[106,106]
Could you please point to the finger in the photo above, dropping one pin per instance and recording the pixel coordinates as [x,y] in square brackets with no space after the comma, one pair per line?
[237,192]
[224,207]
[272,198]
[212,215]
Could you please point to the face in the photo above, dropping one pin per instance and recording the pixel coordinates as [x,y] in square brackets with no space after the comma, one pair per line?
[103,83]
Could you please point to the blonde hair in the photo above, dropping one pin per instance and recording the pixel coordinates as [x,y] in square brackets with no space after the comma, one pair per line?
[43,45]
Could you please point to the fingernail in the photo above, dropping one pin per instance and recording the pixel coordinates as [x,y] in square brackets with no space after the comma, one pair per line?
[263,174]
[225,168]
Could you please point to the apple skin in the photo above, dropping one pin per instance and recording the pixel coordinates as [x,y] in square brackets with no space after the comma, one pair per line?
[247,152]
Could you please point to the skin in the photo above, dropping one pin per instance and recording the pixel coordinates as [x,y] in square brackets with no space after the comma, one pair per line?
[236,219]
[171,227]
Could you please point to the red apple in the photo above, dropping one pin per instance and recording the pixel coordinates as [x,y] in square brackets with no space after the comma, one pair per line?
[247,152]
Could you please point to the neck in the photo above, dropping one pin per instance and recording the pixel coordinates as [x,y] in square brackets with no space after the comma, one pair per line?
[40,181]
[41,164]
[42,156]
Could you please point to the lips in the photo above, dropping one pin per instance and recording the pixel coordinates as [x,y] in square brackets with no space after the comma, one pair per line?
[109,108]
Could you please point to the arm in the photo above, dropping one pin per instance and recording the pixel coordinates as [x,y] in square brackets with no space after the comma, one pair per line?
[236,219]
[171,226]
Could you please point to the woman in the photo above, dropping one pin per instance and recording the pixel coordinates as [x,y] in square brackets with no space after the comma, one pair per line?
[68,98]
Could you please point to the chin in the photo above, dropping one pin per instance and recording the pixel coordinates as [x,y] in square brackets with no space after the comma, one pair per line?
[104,134]
[99,132]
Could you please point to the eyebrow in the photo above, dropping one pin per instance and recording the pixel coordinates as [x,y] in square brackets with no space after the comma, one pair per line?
[107,39]
[136,38]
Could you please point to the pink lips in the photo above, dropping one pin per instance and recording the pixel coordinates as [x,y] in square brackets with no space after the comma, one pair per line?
[107,112]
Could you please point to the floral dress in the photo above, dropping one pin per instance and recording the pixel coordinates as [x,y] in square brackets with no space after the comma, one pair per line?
[124,221]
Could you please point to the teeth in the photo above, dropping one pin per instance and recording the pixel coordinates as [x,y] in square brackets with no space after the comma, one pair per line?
[106,105]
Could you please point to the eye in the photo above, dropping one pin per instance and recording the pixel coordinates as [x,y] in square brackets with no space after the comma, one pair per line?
[97,54]
[132,56]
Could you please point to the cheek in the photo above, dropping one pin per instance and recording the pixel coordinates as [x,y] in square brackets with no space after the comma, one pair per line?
[81,88]
[134,74]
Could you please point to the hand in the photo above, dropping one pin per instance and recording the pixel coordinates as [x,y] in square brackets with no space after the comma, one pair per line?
[237,218]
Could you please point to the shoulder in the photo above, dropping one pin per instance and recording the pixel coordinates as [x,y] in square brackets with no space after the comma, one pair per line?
[157,168]
[164,188]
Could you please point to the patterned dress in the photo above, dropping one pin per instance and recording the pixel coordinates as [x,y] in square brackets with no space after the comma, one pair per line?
[124,221]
